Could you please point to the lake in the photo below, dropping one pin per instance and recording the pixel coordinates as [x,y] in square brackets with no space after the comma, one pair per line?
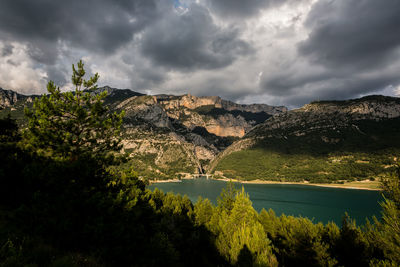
[321,204]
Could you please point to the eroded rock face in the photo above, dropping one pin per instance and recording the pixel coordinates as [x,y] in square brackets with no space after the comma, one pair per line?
[193,102]
[220,117]
[322,141]
[330,115]
[147,109]
[8,98]
[364,108]
[184,132]
[165,135]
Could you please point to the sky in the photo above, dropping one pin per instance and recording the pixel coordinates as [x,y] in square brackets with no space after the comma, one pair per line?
[278,52]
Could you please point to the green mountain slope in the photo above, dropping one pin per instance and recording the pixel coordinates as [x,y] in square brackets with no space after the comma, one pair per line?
[321,142]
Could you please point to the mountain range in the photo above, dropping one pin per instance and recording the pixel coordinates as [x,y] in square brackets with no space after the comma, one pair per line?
[168,136]
[323,141]
[165,135]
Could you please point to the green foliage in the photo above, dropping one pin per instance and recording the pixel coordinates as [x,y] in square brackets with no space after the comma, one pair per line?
[203,211]
[239,236]
[247,238]
[264,164]
[297,241]
[73,125]
[387,232]
[363,151]
[227,198]
[60,206]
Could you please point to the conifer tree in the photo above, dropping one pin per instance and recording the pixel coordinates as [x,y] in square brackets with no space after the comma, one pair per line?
[75,124]
[389,228]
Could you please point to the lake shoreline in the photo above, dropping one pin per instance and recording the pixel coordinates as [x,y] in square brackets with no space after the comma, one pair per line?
[362,185]
[358,185]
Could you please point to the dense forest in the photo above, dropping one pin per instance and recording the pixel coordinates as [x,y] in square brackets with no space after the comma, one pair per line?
[65,202]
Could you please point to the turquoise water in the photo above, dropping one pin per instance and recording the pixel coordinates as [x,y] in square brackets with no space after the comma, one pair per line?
[320,204]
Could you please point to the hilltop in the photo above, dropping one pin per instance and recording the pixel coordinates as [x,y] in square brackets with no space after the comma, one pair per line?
[324,141]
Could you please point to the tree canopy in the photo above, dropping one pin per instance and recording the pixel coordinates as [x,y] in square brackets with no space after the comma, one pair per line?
[74,124]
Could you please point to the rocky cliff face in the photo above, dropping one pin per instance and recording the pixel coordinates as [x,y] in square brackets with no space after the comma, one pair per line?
[193,102]
[177,133]
[217,116]
[321,141]
[167,135]
[330,115]
[9,98]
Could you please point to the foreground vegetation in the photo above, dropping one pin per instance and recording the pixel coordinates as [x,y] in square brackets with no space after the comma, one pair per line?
[66,203]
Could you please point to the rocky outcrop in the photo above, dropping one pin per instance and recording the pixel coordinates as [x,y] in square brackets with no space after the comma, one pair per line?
[9,98]
[193,102]
[304,144]
[220,117]
[329,115]
[147,109]
[165,134]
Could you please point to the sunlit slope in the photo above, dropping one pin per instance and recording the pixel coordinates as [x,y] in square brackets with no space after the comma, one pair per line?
[321,142]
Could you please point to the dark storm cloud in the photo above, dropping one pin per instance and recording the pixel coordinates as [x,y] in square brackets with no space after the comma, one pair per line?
[192,41]
[100,26]
[283,83]
[353,33]
[58,74]
[353,49]
[341,89]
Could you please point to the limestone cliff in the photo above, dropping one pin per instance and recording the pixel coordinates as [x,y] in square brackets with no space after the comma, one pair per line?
[218,116]
[330,115]
[9,98]
[167,135]
[320,142]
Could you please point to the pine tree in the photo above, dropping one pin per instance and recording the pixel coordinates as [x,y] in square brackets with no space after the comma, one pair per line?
[389,227]
[73,125]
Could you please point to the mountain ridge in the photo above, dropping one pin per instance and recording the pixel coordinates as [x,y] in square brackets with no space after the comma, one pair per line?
[166,135]
[322,141]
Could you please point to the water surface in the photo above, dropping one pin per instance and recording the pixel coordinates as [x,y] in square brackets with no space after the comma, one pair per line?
[322,204]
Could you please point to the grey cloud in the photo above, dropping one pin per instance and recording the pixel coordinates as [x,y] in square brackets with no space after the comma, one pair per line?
[146,78]
[353,34]
[43,51]
[340,89]
[58,74]
[13,63]
[100,26]
[352,50]
[285,83]
[300,88]
[192,41]
[7,50]
[243,8]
